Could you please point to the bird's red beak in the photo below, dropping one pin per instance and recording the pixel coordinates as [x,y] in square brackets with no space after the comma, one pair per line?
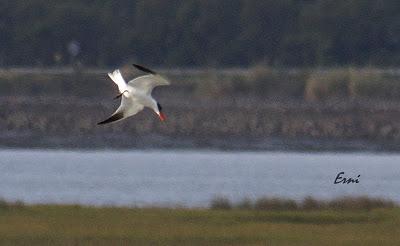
[162,116]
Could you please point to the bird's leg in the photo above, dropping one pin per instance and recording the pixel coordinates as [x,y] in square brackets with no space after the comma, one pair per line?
[120,95]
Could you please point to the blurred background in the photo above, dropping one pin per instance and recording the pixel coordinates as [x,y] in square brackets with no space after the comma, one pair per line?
[194,33]
[297,74]
[268,99]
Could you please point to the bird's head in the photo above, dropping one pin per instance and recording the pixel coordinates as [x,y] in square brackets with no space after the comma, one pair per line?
[160,113]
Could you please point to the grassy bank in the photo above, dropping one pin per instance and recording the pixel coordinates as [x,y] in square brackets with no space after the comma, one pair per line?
[75,225]
[204,108]
[204,84]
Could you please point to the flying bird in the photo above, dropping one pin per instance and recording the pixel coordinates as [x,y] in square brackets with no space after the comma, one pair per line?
[136,94]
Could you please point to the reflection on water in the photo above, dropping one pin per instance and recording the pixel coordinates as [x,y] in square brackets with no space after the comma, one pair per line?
[190,178]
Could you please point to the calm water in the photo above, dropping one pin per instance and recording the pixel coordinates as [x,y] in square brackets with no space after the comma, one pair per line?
[189,178]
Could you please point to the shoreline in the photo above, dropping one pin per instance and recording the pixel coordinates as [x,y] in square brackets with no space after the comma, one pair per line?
[229,144]
[264,203]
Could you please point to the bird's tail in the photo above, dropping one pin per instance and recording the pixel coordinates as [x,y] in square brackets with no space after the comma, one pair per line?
[116,76]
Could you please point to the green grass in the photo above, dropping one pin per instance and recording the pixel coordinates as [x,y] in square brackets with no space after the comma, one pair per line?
[75,225]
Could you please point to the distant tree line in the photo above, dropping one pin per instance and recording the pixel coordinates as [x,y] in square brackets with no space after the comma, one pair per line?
[201,32]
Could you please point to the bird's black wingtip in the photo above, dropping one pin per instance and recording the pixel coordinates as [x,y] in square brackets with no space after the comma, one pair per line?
[144,69]
[101,123]
[114,117]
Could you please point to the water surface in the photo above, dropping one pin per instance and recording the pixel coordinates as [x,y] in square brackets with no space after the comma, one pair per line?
[189,178]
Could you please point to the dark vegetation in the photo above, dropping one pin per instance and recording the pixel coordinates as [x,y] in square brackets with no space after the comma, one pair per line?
[259,108]
[201,33]
[307,204]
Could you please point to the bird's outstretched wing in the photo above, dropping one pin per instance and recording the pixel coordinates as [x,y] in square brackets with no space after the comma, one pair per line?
[116,76]
[146,83]
[127,108]
[144,69]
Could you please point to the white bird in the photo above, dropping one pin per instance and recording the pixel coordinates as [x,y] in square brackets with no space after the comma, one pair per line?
[136,94]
